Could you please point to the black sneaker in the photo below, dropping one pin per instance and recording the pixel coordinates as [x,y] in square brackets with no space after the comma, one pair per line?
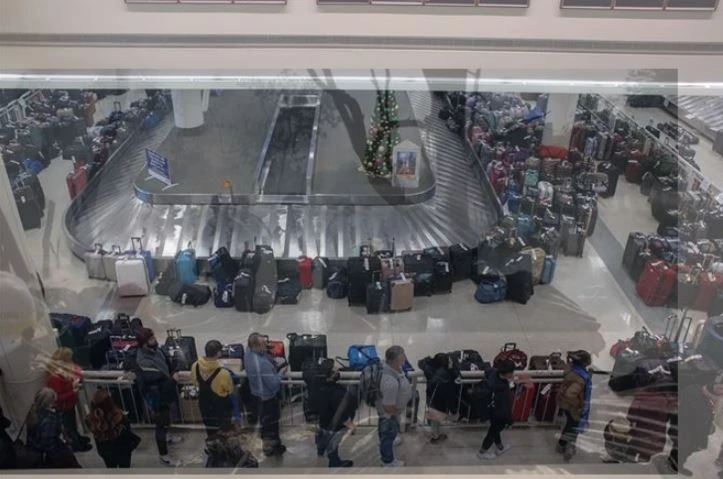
[438,439]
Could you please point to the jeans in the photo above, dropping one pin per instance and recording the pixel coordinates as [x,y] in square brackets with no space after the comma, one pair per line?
[569,432]
[388,431]
[494,434]
[327,443]
[269,416]
[162,419]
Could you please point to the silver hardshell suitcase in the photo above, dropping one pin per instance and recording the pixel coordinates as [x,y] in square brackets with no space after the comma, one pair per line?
[109,261]
[132,276]
[94,264]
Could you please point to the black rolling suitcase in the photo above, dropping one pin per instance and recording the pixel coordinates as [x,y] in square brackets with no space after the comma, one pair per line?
[180,350]
[443,277]
[288,291]
[305,347]
[99,343]
[461,258]
[265,279]
[637,242]
[423,284]
[243,291]
[613,175]
[223,267]
[377,299]
[518,273]
[360,270]
[28,207]
[417,263]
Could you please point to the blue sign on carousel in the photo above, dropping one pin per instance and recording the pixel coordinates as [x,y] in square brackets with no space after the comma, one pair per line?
[158,167]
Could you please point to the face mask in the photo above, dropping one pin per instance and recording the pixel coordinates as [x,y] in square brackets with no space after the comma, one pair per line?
[512,384]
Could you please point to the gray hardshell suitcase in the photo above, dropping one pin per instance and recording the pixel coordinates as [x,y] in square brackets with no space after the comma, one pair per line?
[320,272]
[109,261]
[265,279]
[94,264]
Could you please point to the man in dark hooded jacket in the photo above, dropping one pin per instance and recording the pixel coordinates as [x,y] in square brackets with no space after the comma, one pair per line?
[442,391]
[499,382]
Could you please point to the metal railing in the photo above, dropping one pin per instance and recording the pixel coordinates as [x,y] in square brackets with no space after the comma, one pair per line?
[186,414]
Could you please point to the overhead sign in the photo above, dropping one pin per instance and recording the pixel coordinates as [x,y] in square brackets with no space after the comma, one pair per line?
[158,167]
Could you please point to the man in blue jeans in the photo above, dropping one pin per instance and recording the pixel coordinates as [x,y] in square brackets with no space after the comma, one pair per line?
[395,393]
[265,384]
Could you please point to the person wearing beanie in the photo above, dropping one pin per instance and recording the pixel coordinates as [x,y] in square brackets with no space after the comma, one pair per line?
[573,399]
[158,383]
[500,381]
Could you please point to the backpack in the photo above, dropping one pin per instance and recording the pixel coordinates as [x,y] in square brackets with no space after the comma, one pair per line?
[370,382]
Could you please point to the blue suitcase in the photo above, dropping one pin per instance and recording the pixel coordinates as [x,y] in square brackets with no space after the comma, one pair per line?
[548,270]
[137,250]
[186,268]
[223,295]
[360,355]
[525,226]
[513,203]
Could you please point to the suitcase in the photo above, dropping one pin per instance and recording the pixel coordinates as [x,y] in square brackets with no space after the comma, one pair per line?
[79,326]
[28,179]
[523,398]
[417,263]
[518,275]
[180,350]
[549,169]
[109,260]
[575,244]
[288,291]
[510,352]
[138,251]
[646,183]
[401,294]
[223,295]
[359,356]
[243,291]
[613,175]
[525,226]
[98,341]
[338,286]
[633,172]
[360,270]
[546,405]
[186,268]
[265,279]
[648,415]
[223,267]
[715,308]
[587,217]
[548,270]
[306,348]
[94,264]
[491,289]
[233,351]
[537,256]
[462,259]
[436,254]
[423,284]
[76,181]
[636,243]
[442,277]
[189,294]
[391,267]
[656,283]
[711,341]
[305,266]
[132,276]
[708,286]
[166,280]
[532,177]
[28,207]
[545,193]
[320,272]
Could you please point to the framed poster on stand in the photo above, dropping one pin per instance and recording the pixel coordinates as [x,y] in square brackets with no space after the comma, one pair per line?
[406,159]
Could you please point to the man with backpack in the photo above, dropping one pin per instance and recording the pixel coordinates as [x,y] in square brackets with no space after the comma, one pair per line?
[499,401]
[393,395]
[215,386]
[337,407]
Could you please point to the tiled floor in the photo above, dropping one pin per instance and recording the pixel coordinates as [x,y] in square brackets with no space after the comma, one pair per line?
[589,305]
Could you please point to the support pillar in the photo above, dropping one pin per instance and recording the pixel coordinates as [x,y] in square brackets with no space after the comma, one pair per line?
[26,336]
[561,108]
[187,108]
[206,97]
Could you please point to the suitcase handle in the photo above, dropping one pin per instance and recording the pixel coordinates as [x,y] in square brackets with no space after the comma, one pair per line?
[509,347]
[292,338]
[173,333]
[117,106]
[116,249]
[98,247]
[139,241]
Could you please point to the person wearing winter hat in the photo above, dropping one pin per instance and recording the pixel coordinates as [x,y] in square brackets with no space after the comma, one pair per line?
[500,379]
[158,384]
[573,399]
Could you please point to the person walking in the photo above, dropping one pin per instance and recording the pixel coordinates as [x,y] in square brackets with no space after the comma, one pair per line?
[158,384]
[499,381]
[64,378]
[215,388]
[395,394]
[442,392]
[45,432]
[573,399]
[111,430]
[265,384]
[337,406]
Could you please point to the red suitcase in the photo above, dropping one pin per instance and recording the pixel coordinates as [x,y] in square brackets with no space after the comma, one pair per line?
[523,398]
[648,416]
[76,181]
[656,283]
[633,172]
[709,284]
[546,405]
[305,265]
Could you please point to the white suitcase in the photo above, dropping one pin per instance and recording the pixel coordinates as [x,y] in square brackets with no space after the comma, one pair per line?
[94,264]
[109,261]
[132,276]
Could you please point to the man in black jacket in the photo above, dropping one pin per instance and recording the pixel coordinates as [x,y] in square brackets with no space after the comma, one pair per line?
[157,380]
[499,380]
[442,392]
[337,407]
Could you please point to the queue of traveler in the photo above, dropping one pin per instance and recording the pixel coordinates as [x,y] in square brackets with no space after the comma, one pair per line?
[51,424]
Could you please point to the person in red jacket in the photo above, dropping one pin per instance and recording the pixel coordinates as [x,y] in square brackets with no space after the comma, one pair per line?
[64,378]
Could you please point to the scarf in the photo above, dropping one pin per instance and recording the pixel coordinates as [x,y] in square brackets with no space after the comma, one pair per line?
[585,415]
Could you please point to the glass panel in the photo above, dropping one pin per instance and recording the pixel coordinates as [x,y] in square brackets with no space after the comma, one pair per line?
[586,4]
[692,4]
[504,3]
[653,4]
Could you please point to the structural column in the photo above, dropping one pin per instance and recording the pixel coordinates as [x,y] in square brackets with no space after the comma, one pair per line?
[561,108]
[26,336]
[188,108]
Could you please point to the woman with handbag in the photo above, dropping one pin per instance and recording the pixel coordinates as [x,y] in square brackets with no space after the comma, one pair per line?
[64,378]
[111,429]
[45,432]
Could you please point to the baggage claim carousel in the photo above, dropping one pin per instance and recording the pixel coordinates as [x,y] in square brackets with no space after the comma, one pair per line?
[289,164]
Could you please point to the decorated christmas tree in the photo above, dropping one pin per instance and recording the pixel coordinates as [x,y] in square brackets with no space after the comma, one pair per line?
[383,136]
